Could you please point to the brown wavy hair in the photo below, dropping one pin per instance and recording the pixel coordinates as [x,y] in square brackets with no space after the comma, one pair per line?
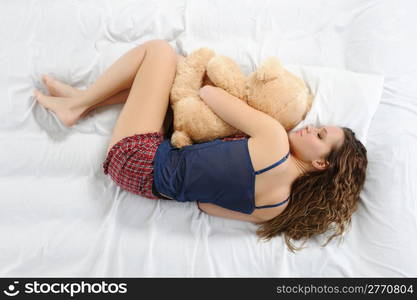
[322,199]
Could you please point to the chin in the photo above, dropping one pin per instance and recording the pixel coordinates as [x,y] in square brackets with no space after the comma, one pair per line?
[291,136]
[293,141]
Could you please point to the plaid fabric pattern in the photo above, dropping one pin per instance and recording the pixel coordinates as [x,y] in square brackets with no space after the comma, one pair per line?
[130,162]
[234,137]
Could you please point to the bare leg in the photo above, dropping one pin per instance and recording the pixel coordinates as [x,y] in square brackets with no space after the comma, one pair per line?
[72,104]
[57,88]
[120,97]
[116,79]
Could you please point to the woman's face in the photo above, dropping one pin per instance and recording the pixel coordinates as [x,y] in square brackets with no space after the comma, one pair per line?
[313,144]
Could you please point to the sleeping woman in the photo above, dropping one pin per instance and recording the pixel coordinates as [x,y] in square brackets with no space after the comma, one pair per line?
[299,183]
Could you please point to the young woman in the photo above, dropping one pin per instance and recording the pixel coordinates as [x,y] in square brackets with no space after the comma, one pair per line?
[298,183]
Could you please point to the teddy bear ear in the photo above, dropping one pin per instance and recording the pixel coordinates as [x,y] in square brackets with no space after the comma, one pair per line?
[269,70]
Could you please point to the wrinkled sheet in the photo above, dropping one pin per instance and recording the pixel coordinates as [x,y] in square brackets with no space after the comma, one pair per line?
[61,216]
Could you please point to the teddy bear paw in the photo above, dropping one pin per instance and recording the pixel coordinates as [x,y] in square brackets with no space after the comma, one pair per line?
[180,139]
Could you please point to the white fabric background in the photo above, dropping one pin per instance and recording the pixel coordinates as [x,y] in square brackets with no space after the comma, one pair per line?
[61,216]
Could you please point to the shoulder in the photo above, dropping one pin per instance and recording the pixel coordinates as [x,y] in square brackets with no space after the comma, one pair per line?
[267,149]
[274,138]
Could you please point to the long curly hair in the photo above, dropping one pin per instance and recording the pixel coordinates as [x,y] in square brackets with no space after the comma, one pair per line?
[322,199]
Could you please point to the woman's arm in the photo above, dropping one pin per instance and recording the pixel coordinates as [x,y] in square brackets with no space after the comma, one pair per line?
[240,115]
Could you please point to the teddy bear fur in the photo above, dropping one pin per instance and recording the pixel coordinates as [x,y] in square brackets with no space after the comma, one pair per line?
[271,89]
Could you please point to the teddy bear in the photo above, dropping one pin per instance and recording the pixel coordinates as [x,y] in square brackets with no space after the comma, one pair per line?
[271,89]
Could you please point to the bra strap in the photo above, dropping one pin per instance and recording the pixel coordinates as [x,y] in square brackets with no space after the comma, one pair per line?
[274,165]
[274,205]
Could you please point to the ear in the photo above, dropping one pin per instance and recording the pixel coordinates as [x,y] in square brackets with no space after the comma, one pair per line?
[320,164]
[270,69]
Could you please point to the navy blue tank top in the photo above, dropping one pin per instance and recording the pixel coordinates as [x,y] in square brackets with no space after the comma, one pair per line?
[218,172]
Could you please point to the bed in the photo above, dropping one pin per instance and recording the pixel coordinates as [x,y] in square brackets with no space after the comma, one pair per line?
[61,216]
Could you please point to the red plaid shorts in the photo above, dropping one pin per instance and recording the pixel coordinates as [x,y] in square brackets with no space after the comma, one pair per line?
[130,162]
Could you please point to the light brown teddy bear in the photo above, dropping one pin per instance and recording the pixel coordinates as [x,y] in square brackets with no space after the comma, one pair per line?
[270,89]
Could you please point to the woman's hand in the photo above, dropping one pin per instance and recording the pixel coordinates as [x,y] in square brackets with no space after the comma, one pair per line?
[206,91]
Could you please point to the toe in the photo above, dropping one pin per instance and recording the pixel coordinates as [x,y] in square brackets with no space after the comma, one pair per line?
[45,78]
[39,96]
[48,80]
[42,99]
[50,85]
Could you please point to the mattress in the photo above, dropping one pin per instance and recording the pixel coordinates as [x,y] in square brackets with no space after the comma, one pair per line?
[61,216]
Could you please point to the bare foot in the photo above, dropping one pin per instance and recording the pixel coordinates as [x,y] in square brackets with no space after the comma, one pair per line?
[59,89]
[65,108]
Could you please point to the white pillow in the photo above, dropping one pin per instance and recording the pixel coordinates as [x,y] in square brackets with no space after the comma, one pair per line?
[342,98]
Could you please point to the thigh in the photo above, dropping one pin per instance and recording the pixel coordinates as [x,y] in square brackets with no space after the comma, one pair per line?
[146,106]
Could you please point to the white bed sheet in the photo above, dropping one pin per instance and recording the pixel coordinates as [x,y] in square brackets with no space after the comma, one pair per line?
[61,216]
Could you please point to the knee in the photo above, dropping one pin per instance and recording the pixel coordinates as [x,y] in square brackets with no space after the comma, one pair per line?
[161,46]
